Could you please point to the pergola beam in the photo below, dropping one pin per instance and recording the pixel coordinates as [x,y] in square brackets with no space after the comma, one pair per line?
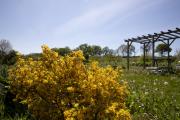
[174,35]
[171,34]
[171,42]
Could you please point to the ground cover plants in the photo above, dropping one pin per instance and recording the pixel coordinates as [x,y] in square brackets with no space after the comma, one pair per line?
[153,97]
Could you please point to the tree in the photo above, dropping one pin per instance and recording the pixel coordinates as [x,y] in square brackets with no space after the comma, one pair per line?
[147,48]
[163,48]
[5,47]
[10,58]
[62,51]
[56,87]
[86,49]
[7,55]
[96,50]
[123,49]
[107,51]
[34,55]
[177,54]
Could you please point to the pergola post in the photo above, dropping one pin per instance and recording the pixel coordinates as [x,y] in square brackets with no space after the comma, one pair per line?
[128,46]
[144,56]
[153,58]
[169,64]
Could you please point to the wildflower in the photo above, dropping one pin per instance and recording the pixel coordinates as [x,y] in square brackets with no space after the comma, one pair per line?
[165,83]
[70,89]
[45,81]
[154,83]
[134,92]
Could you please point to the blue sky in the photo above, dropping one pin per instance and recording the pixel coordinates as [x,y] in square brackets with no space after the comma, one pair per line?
[28,24]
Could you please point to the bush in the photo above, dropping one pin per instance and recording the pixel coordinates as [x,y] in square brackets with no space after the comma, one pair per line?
[62,87]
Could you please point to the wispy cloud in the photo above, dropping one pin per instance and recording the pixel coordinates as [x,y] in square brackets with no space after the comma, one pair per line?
[84,28]
[96,17]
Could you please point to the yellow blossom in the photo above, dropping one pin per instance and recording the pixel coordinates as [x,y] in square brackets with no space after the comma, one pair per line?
[70,89]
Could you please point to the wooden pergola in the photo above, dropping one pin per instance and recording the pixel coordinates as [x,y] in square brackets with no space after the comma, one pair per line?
[167,38]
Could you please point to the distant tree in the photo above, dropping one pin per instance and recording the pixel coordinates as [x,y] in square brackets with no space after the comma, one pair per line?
[5,47]
[147,48]
[96,50]
[163,48]
[87,50]
[107,51]
[177,54]
[34,55]
[6,53]
[62,51]
[10,58]
[112,52]
[123,49]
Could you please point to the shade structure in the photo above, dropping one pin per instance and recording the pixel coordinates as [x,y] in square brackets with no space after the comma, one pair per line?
[167,37]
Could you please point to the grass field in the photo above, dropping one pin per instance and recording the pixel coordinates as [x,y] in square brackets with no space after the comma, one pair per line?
[153,97]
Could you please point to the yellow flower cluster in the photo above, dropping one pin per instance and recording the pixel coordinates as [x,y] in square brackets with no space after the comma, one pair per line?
[63,87]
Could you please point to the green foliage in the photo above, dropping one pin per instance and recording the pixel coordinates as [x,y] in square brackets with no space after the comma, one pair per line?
[62,51]
[9,58]
[139,61]
[2,98]
[35,56]
[17,117]
[96,50]
[162,48]
[8,108]
[111,60]
[4,71]
[177,55]
[3,90]
[93,50]
[106,51]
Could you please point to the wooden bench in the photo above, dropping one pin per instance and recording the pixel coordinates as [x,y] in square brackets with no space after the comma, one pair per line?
[178,67]
[155,70]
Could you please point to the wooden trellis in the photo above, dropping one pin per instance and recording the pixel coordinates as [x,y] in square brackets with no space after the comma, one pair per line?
[166,37]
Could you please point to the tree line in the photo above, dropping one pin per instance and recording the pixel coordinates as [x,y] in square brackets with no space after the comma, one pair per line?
[8,54]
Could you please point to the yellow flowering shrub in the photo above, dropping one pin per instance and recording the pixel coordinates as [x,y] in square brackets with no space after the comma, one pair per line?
[56,87]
